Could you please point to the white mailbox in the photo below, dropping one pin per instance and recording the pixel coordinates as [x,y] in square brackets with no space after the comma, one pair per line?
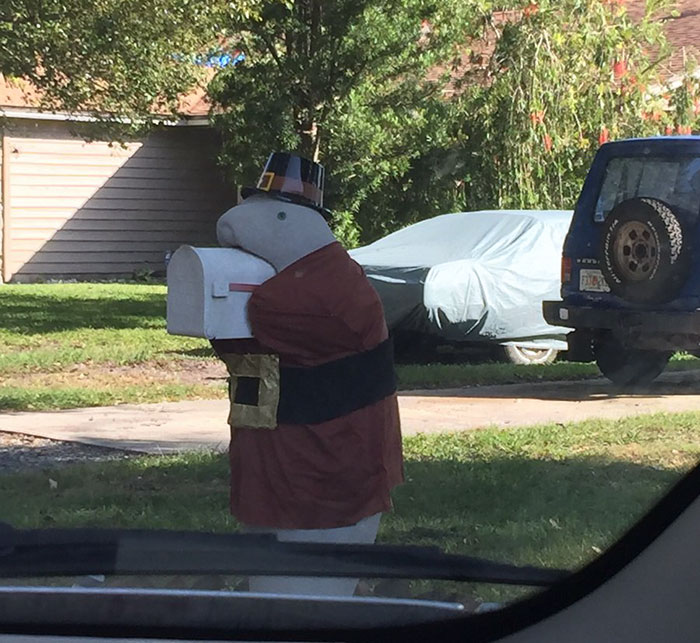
[209,289]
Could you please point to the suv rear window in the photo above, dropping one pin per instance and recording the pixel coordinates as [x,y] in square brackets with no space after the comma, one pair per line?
[673,180]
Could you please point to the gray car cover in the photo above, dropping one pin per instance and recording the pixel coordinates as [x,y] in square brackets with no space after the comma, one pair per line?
[473,276]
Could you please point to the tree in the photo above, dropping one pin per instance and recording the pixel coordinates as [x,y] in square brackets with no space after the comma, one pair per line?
[114,57]
[565,77]
[347,83]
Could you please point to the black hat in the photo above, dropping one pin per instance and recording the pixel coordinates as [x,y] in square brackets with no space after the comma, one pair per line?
[292,178]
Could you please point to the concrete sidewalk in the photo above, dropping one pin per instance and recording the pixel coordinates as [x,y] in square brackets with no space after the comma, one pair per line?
[167,427]
[176,426]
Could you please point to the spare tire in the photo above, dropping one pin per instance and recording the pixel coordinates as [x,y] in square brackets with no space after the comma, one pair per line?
[644,253]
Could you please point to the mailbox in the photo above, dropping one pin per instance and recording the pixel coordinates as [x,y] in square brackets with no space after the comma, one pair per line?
[209,289]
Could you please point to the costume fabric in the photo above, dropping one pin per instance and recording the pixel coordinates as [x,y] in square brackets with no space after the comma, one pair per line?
[334,473]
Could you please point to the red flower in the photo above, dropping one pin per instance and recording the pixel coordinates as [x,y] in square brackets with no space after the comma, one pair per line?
[630,85]
[547,142]
[669,130]
[536,118]
[619,68]
[684,129]
[531,9]
[604,136]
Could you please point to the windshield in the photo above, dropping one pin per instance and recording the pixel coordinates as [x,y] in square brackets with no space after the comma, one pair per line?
[290,274]
[673,180]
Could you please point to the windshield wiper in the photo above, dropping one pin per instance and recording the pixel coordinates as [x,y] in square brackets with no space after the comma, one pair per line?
[67,552]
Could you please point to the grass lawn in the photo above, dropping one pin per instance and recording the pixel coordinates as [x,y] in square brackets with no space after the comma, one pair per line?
[73,345]
[551,495]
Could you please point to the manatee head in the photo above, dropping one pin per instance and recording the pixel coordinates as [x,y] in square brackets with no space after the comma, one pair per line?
[275,230]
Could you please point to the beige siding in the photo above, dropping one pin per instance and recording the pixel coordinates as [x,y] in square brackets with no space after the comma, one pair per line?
[91,209]
[2,210]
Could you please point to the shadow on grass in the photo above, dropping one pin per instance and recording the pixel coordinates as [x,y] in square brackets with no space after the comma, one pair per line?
[674,382]
[496,506]
[524,510]
[28,314]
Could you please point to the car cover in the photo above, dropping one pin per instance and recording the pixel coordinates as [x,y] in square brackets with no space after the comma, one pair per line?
[472,275]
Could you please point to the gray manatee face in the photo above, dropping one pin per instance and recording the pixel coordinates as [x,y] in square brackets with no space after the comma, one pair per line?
[277,231]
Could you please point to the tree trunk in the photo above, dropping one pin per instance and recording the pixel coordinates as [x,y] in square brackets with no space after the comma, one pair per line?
[307,113]
[310,145]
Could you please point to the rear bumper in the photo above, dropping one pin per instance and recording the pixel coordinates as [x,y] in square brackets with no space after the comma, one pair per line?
[680,327]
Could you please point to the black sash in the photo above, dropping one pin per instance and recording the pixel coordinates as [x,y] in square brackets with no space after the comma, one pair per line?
[315,394]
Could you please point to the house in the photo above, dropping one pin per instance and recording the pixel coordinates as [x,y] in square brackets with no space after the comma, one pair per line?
[682,31]
[80,209]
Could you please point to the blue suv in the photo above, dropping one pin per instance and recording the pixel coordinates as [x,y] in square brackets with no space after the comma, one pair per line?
[630,273]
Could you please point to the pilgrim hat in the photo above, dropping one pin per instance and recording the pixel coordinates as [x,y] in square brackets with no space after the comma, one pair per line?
[292,178]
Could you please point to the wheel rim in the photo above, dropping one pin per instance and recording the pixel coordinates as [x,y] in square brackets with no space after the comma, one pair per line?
[636,251]
[534,354]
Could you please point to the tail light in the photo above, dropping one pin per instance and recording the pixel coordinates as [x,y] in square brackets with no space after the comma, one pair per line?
[565,270]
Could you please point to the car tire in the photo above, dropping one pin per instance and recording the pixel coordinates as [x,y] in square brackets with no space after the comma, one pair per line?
[625,366]
[644,253]
[522,355]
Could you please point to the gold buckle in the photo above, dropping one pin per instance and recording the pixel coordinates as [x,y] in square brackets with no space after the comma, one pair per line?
[266,369]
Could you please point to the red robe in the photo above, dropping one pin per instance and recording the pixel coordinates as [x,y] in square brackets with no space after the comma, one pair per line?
[332,474]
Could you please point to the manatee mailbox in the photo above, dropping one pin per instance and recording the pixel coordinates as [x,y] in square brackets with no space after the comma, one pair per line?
[209,289]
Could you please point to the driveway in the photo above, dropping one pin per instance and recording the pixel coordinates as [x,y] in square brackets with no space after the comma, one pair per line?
[175,426]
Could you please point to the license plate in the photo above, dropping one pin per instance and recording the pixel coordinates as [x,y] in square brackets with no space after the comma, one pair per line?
[592,281]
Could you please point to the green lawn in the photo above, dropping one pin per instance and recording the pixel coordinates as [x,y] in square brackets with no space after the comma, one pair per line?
[73,345]
[549,495]
[51,327]
[415,376]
